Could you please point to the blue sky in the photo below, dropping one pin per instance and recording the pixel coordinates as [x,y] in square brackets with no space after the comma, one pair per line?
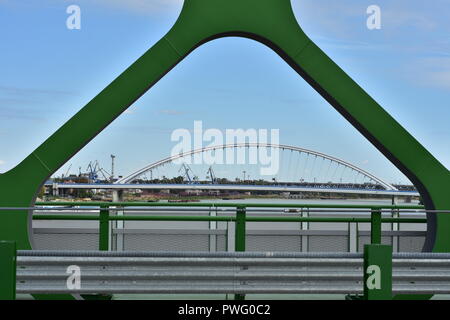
[47,73]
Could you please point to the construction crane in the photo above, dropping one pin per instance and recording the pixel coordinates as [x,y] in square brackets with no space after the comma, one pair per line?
[105,174]
[113,157]
[211,175]
[92,170]
[185,169]
[67,172]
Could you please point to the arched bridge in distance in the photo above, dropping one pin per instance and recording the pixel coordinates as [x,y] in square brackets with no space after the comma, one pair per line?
[299,170]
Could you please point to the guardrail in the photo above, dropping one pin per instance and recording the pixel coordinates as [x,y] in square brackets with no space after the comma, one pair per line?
[181,272]
[240,272]
[299,213]
[377,274]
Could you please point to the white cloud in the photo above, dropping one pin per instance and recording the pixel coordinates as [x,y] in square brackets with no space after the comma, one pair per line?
[431,72]
[170,112]
[346,19]
[2,162]
[396,18]
[328,17]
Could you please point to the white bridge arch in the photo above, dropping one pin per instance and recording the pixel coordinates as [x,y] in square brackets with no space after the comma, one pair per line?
[129,179]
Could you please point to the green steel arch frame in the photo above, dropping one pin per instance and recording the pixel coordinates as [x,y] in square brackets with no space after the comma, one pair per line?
[271,22]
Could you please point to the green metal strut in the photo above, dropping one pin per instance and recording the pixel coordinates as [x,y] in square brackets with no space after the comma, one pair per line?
[271,22]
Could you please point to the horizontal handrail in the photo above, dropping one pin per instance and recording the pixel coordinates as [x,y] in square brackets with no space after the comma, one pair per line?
[221,210]
[192,254]
[224,205]
[240,213]
[225,272]
[226,218]
[113,206]
[201,254]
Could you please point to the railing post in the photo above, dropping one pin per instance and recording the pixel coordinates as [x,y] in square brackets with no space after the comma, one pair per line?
[104,228]
[375,226]
[240,229]
[377,272]
[240,232]
[8,256]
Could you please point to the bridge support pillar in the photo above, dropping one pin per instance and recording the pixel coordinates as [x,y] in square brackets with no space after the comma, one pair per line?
[117,196]
[394,200]
[55,190]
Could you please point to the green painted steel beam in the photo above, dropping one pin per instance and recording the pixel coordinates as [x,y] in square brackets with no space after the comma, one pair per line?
[240,237]
[377,272]
[240,233]
[104,229]
[333,220]
[272,23]
[230,205]
[8,256]
[66,217]
[225,219]
[375,227]
[171,218]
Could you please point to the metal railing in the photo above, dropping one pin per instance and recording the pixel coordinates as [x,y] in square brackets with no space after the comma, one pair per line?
[240,272]
[46,272]
[189,272]
[236,213]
